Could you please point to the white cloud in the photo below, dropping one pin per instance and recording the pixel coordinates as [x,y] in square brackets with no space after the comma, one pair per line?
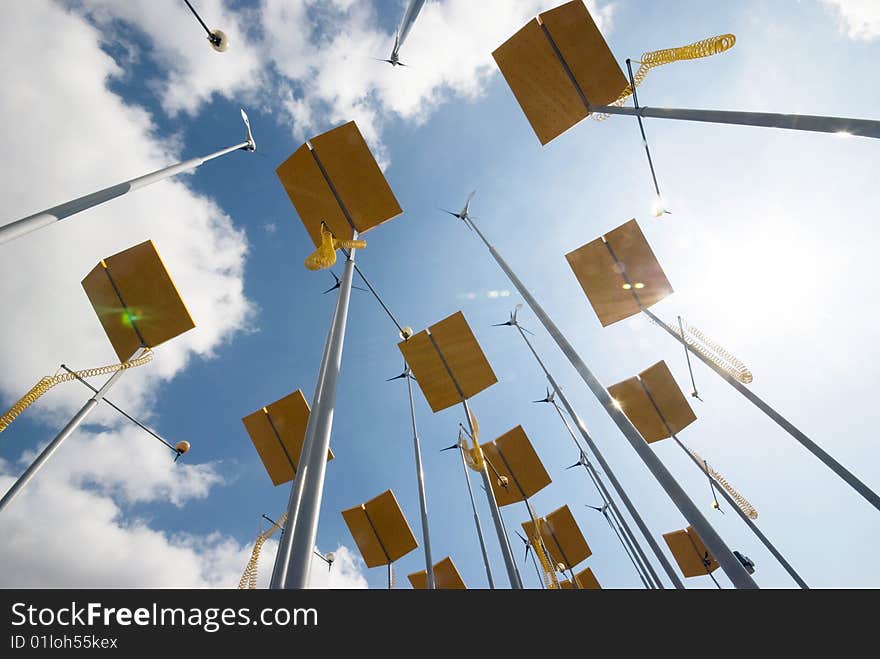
[60,534]
[346,572]
[862,17]
[313,58]
[71,117]
[193,71]
[75,524]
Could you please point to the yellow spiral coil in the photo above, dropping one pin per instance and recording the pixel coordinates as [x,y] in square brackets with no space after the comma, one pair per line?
[248,579]
[741,501]
[655,58]
[325,255]
[550,579]
[723,359]
[44,385]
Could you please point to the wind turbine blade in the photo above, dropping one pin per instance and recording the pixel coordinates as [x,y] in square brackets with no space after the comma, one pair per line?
[449,448]
[576,464]
[450,212]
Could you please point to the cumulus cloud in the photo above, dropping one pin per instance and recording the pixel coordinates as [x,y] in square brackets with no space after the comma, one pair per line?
[76,524]
[312,60]
[861,17]
[72,117]
[192,72]
[491,294]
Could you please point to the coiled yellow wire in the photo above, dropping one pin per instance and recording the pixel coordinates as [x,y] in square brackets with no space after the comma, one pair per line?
[248,579]
[325,255]
[712,351]
[741,501]
[48,382]
[655,58]
[550,579]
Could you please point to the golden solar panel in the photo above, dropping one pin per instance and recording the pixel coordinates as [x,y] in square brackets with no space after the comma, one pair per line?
[585,51]
[462,354]
[446,577]
[133,293]
[278,431]
[538,78]
[602,277]
[689,550]
[350,168]
[586,580]
[513,457]
[635,403]
[380,530]
[565,542]
[540,84]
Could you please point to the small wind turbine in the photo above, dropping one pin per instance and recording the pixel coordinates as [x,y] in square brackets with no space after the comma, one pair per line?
[394,59]
[464,214]
[339,283]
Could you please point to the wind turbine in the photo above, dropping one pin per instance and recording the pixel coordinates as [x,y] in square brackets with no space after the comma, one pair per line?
[464,214]
[406,23]
[339,283]
[394,59]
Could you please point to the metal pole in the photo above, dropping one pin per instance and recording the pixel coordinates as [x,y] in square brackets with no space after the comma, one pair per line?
[633,511]
[467,479]
[285,542]
[805,441]
[541,542]
[504,529]
[640,561]
[631,555]
[420,477]
[714,543]
[860,127]
[390,577]
[19,228]
[509,563]
[66,432]
[754,528]
[313,463]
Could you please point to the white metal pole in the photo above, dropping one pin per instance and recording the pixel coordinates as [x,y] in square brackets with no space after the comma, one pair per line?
[643,567]
[420,477]
[66,432]
[714,543]
[506,553]
[624,497]
[815,124]
[19,228]
[848,477]
[285,542]
[313,465]
[467,479]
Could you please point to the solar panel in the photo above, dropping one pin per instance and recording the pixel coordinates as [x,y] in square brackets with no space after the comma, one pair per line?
[633,399]
[586,580]
[135,299]
[613,278]
[446,577]
[689,552]
[552,61]
[277,432]
[514,458]
[459,348]
[338,175]
[380,530]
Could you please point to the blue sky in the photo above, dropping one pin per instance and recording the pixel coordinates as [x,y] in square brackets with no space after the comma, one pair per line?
[769,250]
